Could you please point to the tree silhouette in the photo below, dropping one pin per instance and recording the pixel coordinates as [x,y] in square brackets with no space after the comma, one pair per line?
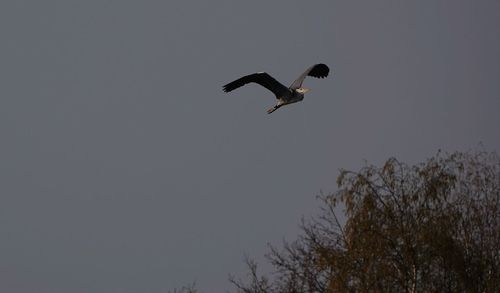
[431,227]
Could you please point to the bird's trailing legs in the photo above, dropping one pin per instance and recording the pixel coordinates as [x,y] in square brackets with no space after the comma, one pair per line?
[276,107]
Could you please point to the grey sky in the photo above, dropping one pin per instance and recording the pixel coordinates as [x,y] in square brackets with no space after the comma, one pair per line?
[125,168]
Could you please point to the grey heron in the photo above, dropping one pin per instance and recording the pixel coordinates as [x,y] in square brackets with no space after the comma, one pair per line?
[285,95]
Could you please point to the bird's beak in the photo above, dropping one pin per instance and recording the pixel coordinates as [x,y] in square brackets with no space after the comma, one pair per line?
[305,90]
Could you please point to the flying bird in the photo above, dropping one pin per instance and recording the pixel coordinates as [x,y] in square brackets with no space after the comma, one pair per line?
[285,95]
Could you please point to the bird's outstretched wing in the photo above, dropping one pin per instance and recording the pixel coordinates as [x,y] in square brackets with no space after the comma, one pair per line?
[261,78]
[318,71]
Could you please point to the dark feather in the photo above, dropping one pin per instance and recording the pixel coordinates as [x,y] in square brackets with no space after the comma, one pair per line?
[318,71]
[261,78]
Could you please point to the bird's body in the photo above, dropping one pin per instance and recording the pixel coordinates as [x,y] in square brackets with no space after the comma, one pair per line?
[285,95]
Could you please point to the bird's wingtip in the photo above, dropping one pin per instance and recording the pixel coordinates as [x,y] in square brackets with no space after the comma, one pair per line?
[320,70]
[227,88]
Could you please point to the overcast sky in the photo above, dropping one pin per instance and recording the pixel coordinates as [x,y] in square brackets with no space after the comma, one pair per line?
[125,168]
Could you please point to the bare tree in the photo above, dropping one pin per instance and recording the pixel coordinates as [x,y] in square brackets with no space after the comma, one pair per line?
[431,227]
[186,289]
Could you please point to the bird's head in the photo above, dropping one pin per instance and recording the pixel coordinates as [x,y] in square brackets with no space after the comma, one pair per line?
[303,90]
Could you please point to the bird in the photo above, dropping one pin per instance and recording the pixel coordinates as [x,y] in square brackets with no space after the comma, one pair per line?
[285,95]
